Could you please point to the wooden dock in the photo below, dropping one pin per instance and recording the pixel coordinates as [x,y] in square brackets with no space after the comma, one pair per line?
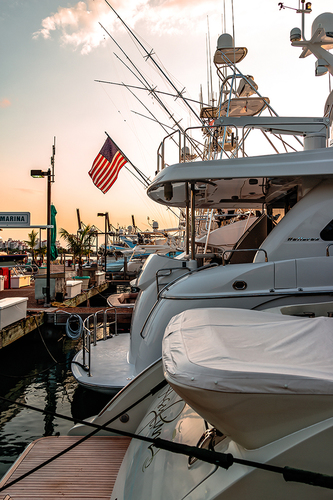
[86,472]
[58,313]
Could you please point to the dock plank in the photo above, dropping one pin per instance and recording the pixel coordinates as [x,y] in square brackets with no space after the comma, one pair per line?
[87,472]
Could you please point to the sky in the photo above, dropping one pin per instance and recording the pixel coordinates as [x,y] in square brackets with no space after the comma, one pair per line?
[52,52]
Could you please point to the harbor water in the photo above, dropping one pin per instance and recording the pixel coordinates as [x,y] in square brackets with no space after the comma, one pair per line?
[36,370]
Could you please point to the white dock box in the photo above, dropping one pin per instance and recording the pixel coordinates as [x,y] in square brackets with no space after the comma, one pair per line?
[73,288]
[19,280]
[100,277]
[12,309]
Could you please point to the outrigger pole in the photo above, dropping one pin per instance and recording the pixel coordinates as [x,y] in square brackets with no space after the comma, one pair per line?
[143,81]
[149,90]
[150,55]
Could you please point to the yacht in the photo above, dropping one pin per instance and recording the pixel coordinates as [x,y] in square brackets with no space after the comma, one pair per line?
[282,257]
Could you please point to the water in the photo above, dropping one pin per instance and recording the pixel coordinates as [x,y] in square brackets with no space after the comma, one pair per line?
[36,370]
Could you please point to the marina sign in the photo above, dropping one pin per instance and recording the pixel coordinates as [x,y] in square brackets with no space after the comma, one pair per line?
[14,219]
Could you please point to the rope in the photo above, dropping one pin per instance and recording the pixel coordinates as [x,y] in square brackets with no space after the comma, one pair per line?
[74,333]
[41,336]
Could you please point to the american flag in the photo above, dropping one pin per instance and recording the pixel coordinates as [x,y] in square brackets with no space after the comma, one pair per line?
[106,166]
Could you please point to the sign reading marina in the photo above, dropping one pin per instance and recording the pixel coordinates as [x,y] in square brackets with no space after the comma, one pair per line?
[14,219]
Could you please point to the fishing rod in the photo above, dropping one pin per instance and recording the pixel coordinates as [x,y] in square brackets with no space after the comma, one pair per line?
[149,56]
[151,90]
[224,460]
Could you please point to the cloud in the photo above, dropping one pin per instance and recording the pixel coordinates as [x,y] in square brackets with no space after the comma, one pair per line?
[5,103]
[79,25]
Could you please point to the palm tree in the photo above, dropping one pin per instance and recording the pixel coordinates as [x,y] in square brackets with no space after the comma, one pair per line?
[78,244]
[32,242]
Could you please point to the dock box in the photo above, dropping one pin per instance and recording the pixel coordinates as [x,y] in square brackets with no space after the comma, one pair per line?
[40,283]
[100,277]
[85,281]
[19,280]
[12,309]
[73,288]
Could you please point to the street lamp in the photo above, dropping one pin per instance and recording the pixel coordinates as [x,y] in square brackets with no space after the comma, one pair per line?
[38,174]
[106,217]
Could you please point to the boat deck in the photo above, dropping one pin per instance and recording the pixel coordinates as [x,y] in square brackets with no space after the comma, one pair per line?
[86,472]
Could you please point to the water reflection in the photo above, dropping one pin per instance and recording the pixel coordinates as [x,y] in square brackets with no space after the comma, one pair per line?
[36,370]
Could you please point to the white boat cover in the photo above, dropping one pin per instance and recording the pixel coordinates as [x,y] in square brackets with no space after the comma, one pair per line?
[245,351]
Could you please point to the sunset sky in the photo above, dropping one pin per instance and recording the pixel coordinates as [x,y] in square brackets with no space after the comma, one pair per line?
[52,52]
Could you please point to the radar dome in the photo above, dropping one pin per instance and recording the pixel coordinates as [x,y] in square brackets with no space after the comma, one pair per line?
[225,41]
[323,21]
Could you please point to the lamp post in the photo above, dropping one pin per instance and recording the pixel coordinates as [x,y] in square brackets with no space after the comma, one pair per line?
[105,215]
[48,174]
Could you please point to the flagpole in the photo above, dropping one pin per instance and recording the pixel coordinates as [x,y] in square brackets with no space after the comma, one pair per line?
[135,168]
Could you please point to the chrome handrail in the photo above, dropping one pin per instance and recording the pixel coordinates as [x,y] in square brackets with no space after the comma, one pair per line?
[86,345]
[244,250]
[160,275]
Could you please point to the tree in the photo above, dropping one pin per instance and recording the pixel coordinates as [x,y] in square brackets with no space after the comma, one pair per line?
[78,244]
[32,242]
[42,252]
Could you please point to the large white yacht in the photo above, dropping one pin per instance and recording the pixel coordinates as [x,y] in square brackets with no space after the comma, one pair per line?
[272,263]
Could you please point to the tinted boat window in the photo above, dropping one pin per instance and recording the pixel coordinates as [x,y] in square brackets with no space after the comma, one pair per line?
[327,232]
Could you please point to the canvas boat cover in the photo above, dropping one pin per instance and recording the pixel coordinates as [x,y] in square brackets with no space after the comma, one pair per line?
[228,235]
[246,351]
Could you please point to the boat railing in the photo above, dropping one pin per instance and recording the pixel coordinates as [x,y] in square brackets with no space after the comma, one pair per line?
[162,273]
[105,323]
[278,126]
[89,334]
[166,287]
[86,345]
[161,149]
[242,250]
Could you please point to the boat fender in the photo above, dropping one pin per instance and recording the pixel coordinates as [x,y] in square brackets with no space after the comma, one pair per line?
[74,326]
